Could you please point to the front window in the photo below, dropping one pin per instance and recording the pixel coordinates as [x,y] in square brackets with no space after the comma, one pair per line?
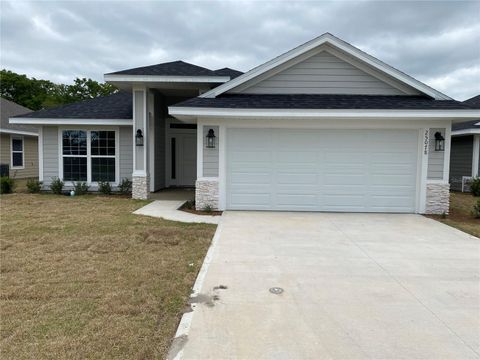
[89,155]
[74,155]
[17,152]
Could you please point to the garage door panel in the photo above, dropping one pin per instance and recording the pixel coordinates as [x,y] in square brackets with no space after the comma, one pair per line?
[322,170]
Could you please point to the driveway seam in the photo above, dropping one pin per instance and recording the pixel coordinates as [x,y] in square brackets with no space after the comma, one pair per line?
[405,288]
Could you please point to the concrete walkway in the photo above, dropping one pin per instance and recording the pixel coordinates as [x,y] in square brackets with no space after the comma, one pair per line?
[168,209]
[356,286]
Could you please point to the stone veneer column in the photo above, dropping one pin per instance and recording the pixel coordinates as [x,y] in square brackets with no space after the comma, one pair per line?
[438,198]
[206,194]
[140,187]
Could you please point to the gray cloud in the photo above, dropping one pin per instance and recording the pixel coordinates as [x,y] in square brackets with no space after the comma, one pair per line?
[436,42]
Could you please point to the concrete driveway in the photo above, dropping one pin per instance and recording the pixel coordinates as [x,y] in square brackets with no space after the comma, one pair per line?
[356,286]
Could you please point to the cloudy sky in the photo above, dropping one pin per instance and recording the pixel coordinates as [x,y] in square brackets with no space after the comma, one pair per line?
[437,42]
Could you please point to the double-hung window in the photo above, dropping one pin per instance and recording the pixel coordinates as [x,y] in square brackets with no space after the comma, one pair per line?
[89,155]
[17,152]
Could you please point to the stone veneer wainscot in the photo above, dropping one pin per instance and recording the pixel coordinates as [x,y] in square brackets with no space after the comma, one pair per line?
[140,187]
[206,194]
[438,198]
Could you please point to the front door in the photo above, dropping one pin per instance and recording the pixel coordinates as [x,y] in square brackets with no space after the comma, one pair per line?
[182,157]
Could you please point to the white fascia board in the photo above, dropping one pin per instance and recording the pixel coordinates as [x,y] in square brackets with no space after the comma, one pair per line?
[18,132]
[322,113]
[466,132]
[59,121]
[336,43]
[166,79]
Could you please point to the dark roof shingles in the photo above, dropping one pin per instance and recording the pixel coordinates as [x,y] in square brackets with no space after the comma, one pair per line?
[472,103]
[311,101]
[177,68]
[115,106]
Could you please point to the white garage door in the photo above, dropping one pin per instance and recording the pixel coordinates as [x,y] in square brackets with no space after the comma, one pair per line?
[322,170]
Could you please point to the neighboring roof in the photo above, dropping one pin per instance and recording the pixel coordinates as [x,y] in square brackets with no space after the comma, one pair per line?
[473,102]
[115,106]
[339,44]
[322,101]
[7,110]
[177,68]
[228,72]
[469,126]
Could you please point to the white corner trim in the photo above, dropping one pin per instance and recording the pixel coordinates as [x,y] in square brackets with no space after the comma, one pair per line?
[466,132]
[40,153]
[446,153]
[475,155]
[336,43]
[61,121]
[165,78]
[320,113]
[18,132]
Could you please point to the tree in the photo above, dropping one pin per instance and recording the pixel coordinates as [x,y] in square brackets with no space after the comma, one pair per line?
[39,94]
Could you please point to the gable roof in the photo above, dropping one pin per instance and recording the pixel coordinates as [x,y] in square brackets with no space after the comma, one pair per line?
[177,68]
[115,106]
[339,44]
[8,109]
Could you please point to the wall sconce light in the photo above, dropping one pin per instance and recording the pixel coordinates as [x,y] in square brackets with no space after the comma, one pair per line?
[139,138]
[439,142]
[211,139]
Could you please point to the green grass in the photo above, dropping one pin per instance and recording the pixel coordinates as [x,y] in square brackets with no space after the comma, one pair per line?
[84,278]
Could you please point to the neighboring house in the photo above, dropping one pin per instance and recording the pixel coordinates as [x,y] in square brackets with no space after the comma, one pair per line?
[18,143]
[322,127]
[465,153]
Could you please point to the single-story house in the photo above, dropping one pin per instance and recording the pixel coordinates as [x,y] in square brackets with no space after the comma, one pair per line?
[18,143]
[322,127]
[465,152]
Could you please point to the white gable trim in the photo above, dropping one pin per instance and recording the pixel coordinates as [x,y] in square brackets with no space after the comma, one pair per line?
[166,78]
[336,43]
[196,112]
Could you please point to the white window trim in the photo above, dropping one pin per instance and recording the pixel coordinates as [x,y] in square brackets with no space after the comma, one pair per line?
[89,156]
[17,137]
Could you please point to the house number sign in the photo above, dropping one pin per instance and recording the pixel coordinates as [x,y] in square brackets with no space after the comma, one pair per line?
[425,141]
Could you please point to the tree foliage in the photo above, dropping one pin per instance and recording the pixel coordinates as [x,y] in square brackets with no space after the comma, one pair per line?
[38,94]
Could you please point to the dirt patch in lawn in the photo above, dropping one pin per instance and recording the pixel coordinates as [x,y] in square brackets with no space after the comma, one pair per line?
[82,277]
[460,214]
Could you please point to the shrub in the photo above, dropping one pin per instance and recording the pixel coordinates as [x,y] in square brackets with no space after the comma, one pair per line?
[6,185]
[34,186]
[207,209]
[475,186]
[56,186]
[476,210]
[104,187]
[80,188]
[125,186]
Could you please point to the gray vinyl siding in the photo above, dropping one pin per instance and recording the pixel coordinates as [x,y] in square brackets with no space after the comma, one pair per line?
[210,156]
[461,158]
[436,159]
[126,152]
[322,73]
[50,153]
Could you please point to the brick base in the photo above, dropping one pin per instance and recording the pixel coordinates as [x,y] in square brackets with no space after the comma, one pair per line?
[438,199]
[206,194]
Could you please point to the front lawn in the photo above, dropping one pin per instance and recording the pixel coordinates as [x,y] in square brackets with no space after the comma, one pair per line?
[460,217]
[82,277]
